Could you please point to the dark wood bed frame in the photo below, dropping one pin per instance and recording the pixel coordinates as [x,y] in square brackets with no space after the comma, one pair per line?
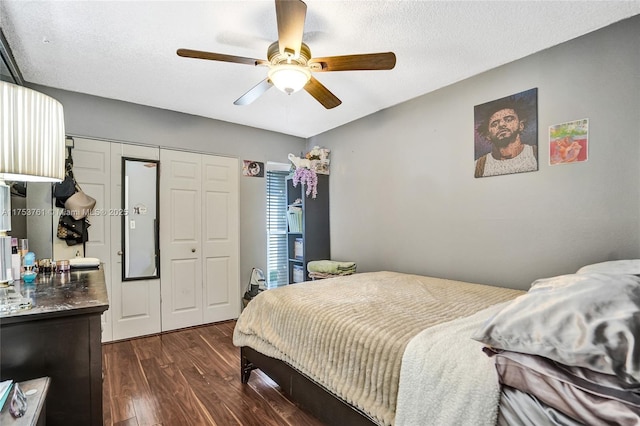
[314,398]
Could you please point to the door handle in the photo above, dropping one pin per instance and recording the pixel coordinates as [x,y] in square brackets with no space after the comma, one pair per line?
[193,250]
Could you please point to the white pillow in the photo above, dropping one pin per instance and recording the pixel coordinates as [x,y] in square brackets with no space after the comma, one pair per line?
[630,266]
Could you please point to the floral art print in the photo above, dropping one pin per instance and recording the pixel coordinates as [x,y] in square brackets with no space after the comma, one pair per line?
[568,142]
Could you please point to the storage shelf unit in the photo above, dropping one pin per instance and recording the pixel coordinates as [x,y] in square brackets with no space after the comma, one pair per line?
[315,226]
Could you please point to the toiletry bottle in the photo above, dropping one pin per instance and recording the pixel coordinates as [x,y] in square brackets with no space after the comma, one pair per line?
[24,247]
[29,263]
[15,260]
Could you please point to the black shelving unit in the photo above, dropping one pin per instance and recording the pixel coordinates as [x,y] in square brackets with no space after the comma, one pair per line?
[315,225]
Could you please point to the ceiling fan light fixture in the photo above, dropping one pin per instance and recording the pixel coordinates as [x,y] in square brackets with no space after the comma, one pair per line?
[289,78]
[290,62]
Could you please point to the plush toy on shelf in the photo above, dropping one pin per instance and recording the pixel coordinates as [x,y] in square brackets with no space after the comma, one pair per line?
[299,162]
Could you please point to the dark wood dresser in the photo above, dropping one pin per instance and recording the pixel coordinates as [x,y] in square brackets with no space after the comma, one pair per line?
[59,337]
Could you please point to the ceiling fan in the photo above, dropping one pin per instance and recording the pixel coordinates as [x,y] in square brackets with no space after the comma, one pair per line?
[290,62]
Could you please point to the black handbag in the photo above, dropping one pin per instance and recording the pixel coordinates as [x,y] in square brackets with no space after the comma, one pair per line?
[73,231]
[65,189]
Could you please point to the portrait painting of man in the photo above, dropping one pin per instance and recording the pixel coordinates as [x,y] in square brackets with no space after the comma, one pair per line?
[506,135]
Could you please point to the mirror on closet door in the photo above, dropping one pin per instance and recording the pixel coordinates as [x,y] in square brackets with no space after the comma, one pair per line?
[140,249]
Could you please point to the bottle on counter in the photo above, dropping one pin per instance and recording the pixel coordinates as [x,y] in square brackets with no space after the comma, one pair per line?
[29,265]
[24,247]
[15,259]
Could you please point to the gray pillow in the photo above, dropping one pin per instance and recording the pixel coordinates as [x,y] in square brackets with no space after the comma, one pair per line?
[585,320]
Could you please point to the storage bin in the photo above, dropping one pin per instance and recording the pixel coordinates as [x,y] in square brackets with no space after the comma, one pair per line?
[297,248]
[298,273]
[294,217]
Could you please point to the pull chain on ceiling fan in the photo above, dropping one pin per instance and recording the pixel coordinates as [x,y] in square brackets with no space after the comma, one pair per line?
[290,62]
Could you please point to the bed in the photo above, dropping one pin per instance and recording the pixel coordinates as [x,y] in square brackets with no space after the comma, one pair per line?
[387,348]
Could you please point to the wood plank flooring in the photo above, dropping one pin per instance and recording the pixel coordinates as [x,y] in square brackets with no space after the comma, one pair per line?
[189,377]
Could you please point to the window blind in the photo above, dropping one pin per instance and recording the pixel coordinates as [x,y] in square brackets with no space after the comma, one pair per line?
[276,229]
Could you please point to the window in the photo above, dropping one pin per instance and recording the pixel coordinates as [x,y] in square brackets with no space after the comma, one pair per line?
[276,228]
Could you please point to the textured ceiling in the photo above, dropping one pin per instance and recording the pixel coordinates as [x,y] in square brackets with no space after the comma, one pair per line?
[126,50]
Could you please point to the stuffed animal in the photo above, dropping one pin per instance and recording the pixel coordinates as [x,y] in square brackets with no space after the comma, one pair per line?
[318,153]
[299,162]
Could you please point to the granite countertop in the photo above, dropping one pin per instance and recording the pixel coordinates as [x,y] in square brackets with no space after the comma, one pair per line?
[76,292]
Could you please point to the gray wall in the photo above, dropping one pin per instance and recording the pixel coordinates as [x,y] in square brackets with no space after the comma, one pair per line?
[408,170]
[108,119]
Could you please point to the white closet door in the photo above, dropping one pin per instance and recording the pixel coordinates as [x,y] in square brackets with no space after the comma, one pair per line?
[220,235]
[180,239]
[91,168]
[135,305]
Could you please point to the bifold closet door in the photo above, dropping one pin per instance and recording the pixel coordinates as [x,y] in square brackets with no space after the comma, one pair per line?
[135,305]
[220,238]
[92,170]
[199,239]
[180,239]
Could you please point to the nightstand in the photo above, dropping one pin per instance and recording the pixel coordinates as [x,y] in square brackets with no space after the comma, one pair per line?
[36,404]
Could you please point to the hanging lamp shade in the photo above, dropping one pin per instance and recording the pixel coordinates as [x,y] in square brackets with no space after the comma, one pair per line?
[32,136]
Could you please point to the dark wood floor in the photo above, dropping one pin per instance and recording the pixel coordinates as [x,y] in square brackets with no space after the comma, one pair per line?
[189,377]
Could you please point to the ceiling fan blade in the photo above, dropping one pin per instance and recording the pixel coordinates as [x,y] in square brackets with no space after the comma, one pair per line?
[367,61]
[254,93]
[290,15]
[322,94]
[198,54]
